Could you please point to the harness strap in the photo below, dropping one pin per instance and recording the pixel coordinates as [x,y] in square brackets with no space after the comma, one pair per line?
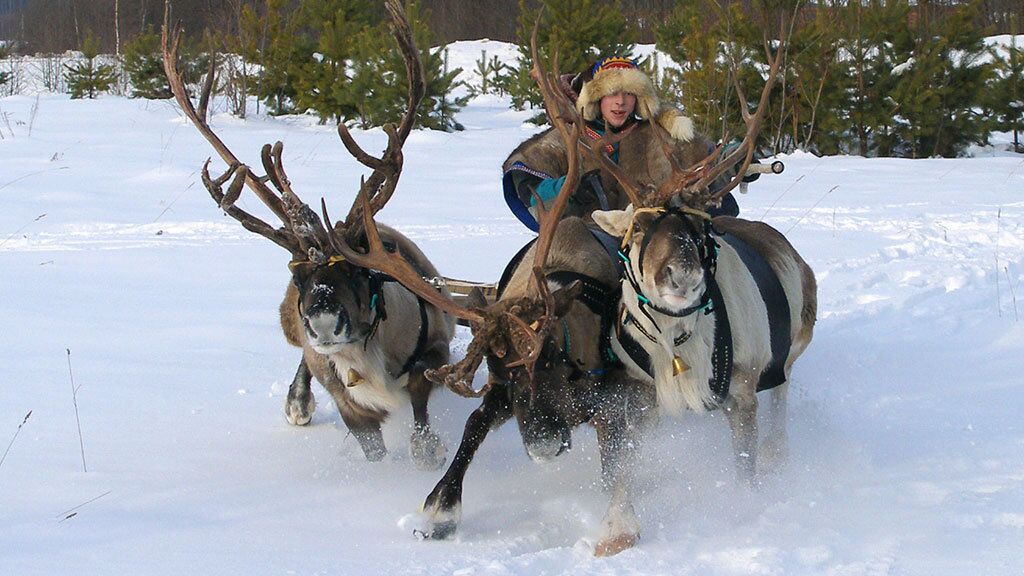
[777,307]
[721,358]
[421,340]
[599,299]
[636,352]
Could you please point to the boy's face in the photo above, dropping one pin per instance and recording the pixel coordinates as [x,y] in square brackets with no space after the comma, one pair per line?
[617,107]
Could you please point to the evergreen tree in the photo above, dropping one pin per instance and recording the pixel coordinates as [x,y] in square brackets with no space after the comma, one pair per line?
[143,62]
[580,32]
[5,52]
[1005,92]
[817,86]
[710,43]
[378,87]
[874,40]
[338,27]
[88,78]
[938,93]
[271,39]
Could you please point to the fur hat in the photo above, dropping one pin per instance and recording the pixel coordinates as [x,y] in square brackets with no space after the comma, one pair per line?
[617,74]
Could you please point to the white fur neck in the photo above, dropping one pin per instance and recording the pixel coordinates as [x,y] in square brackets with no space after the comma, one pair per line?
[691,389]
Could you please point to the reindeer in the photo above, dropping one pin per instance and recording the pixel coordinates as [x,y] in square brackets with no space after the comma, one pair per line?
[351,321]
[713,310]
[766,290]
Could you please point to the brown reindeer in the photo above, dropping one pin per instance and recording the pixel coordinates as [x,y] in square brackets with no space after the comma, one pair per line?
[545,344]
[355,325]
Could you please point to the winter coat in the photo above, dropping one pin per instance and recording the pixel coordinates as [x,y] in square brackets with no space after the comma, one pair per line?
[540,163]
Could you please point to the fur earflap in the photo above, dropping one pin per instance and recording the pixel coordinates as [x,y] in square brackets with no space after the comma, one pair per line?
[678,126]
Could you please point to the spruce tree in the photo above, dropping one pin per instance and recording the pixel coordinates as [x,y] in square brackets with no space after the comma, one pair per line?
[273,41]
[5,52]
[710,43]
[874,39]
[938,94]
[817,86]
[378,86]
[322,81]
[88,78]
[1005,92]
[579,31]
[144,65]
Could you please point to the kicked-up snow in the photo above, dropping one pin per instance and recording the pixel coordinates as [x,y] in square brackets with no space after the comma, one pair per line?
[906,450]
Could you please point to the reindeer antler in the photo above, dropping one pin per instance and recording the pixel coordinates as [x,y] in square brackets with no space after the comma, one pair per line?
[381,184]
[302,230]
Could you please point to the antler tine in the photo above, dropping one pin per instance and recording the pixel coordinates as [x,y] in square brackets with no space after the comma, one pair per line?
[555,107]
[331,236]
[680,181]
[378,258]
[388,168]
[402,32]
[170,41]
[304,221]
[281,237]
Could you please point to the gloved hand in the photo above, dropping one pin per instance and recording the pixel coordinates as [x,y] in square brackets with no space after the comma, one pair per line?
[755,175]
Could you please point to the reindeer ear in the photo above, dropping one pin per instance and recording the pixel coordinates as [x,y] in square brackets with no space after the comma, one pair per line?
[476,298]
[614,222]
[301,271]
[564,297]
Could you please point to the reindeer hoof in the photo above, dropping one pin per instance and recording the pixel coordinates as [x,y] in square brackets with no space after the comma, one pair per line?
[439,531]
[299,411]
[427,450]
[615,544]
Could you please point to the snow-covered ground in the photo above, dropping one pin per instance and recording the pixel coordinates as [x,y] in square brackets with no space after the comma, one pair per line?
[907,442]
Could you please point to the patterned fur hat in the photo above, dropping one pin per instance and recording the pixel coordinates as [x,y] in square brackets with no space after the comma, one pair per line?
[618,74]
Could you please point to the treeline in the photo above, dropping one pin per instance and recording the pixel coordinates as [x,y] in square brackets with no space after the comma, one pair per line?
[50,26]
[875,78]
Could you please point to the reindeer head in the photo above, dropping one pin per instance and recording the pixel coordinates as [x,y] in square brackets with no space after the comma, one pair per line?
[666,253]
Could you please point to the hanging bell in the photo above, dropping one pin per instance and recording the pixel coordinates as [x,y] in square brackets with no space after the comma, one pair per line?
[678,366]
[354,378]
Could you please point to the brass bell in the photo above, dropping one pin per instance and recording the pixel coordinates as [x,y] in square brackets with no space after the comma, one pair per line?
[354,378]
[678,366]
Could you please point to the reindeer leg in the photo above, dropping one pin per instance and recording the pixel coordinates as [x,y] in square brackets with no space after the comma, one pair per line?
[443,507]
[300,404]
[363,423]
[620,424]
[365,426]
[741,411]
[774,450]
[426,448]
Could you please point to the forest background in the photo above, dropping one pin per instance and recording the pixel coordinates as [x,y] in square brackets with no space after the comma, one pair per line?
[874,78]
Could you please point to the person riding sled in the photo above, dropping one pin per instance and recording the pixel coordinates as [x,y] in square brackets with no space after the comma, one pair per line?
[613,95]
